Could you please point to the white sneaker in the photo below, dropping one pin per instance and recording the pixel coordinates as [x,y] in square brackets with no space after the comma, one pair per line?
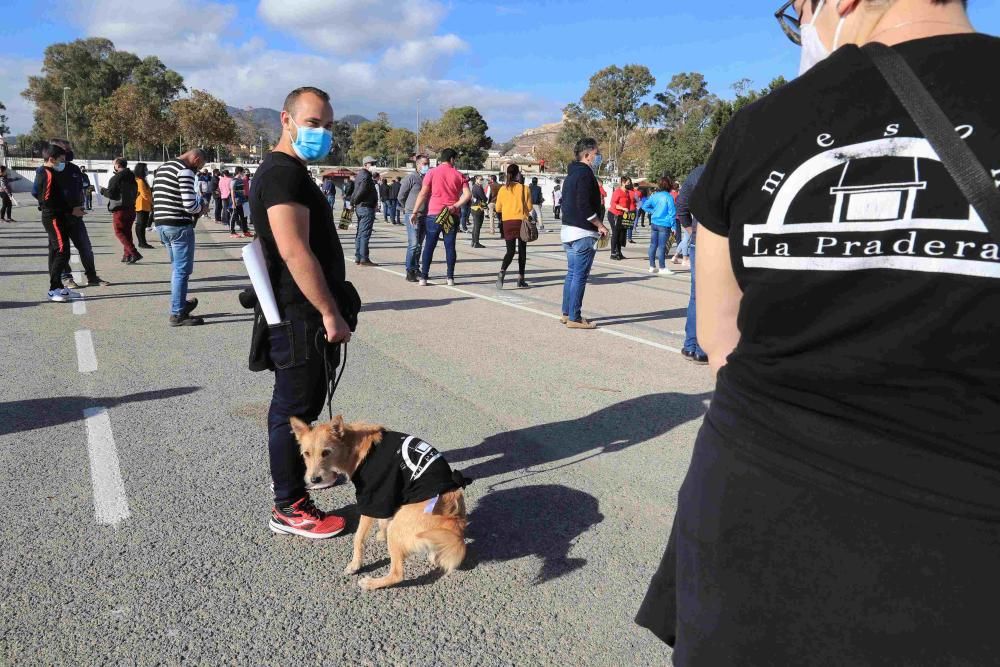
[423,282]
[653,269]
[666,272]
[451,282]
[59,295]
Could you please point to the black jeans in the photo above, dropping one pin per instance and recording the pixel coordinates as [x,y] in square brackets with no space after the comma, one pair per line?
[218,207]
[237,216]
[141,225]
[299,391]
[7,207]
[77,231]
[57,229]
[556,210]
[617,234]
[477,225]
[522,256]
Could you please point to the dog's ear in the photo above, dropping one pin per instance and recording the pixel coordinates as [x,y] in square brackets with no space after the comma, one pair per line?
[299,427]
[337,426]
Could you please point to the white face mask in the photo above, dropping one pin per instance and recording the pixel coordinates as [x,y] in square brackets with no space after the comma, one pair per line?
[813,49]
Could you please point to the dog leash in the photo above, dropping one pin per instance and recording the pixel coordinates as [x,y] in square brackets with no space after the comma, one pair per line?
[333,374]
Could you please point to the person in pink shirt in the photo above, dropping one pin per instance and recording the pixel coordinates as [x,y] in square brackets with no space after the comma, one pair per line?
[444,187]
[225,190]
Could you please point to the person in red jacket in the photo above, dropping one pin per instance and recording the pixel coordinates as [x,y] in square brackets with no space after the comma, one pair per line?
[623,210]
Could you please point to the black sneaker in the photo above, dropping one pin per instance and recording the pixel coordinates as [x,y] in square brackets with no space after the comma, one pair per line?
[411,276]
[185,320]
[687,354]
[700,358]
[189,306]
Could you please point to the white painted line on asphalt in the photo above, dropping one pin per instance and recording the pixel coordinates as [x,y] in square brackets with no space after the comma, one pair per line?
[110,504]
[79,306]
[86,358]
[74,259]
[509,304]
[78,277]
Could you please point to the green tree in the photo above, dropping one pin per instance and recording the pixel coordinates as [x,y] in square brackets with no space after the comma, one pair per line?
[203,120]
[343,140]
[400,143]
[462,129]
[4,128]
[92,69]
[613,99]
[130,117]
[369,139]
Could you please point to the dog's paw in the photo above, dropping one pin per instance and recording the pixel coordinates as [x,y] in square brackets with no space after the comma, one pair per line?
[352,568]
[367,584]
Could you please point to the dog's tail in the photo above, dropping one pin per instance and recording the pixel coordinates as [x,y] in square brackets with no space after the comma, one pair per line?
[448,547]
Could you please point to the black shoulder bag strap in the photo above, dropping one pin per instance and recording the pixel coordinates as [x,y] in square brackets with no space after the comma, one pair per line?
[965,168]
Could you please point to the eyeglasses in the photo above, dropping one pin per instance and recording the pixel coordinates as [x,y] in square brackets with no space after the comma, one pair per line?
[790,22]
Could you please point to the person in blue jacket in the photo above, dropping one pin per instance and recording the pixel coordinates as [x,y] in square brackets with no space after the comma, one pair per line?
[662,212]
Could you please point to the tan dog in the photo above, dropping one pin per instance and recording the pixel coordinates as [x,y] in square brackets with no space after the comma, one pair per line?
[394,467]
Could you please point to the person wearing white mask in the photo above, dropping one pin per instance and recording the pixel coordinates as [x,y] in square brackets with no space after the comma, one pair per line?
[841,505]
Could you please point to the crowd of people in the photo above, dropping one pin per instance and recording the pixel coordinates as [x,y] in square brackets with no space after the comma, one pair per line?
[841,501]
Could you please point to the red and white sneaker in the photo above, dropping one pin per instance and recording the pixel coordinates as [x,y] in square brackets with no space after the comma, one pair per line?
[304,519]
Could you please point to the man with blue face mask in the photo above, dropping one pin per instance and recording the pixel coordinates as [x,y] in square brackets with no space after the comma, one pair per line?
[295,226]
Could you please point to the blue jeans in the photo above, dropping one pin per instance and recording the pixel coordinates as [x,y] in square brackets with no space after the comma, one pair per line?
[366,223]
[179,241]
[691,326]
[658,244]
[414,243]
[464,218]
[331,200]
[433,231]
[579,260]
[390,210]
[682,247]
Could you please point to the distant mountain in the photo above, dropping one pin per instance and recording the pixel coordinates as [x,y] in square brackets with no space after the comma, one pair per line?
[270,119]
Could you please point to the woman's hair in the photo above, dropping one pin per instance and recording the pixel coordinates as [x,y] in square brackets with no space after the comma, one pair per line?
[140,170]
[512,173]
[665,183]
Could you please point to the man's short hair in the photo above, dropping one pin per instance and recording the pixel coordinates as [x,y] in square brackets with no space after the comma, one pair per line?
[448,154]
[584,145]
[419,157]
[534,181]
[240,170]
[121,162]
[52,151]
[293,97]
[200,154]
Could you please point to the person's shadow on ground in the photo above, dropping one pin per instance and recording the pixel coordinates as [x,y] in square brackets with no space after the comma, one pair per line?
[35,413]
[610,429]
[542,521]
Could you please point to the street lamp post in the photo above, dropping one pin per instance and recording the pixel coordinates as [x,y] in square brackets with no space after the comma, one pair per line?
[261,154]
[66,89]
[418,127]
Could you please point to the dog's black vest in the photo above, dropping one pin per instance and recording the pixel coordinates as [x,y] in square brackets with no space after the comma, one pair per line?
[400,470]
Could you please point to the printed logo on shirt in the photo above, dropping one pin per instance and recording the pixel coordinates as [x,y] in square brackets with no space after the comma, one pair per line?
[889,204]
[417,456]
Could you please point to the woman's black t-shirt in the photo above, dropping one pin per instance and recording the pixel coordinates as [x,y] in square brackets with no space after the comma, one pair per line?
[281,179]
[870,317]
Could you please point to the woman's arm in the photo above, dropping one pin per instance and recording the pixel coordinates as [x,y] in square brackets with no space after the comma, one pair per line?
[718,297]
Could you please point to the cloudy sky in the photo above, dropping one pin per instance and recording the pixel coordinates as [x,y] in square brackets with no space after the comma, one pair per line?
[519,62]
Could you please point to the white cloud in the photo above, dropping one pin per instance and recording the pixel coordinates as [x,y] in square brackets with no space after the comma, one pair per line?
[353,27]
[394,56]
[13,79]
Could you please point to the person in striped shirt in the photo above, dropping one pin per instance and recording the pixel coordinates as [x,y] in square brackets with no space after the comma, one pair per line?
[176,207]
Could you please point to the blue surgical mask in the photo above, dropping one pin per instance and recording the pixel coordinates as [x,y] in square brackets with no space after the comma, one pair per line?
[59,166]
[424,169]
[312,143]
[598,160]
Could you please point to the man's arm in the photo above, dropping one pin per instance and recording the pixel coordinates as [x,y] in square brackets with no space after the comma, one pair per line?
[718,296]
[290,226]
[425,193]
[404,190]
[684,203]
[361,185]
[464,199]
[189,196]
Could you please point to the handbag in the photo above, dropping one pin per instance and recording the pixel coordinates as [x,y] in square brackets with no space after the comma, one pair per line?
[346,216]
[529,231]
[445,220]
[968,172]
[628,218]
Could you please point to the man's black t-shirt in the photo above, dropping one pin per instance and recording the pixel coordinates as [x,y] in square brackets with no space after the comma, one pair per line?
[399,470]
[281,179]
[871,298]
